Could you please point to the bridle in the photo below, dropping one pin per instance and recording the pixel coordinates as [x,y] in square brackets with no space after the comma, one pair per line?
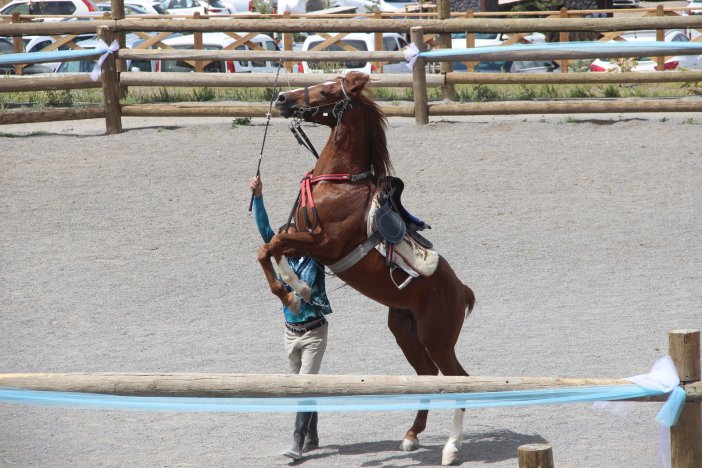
[337,110]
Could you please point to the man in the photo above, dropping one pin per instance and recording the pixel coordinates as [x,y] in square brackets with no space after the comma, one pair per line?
[305,331]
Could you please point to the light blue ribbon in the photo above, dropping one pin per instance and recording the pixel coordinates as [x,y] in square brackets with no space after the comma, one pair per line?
[662,379]
[645,47]
[51,56]
[667,416]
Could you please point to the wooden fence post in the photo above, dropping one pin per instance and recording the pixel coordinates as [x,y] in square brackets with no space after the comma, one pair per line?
[110,85]
[288,44]
[443,7]
[470,43]
[197,44]
[660,36]
[686,435]
[419,78]
[17,44]
[563,37]
[378,42]
[535,456]
[117,13]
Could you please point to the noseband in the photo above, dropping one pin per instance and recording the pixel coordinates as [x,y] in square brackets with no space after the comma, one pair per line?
[337,111]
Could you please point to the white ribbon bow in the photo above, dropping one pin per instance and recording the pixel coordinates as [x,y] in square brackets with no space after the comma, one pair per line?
[411,54]
[102,46]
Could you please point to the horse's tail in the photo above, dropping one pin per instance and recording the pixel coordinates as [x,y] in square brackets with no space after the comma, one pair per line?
[470,299]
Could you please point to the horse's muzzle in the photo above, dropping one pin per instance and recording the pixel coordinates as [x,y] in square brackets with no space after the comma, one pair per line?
[285,106]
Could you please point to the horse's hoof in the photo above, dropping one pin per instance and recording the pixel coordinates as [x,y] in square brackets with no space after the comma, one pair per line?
[409,445]
[449,455]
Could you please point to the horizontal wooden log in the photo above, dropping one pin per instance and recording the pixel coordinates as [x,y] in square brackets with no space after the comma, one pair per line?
[45,83]
[50,115]
[256,385]
[225,110]
[259,79]
[566,107]
[572,78]
[260,55]
[355,25]
[53,27]
[429,25]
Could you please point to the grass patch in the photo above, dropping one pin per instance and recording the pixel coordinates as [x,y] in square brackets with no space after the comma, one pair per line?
[464,93]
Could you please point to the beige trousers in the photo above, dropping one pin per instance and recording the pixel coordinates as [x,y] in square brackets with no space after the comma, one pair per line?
[305,352]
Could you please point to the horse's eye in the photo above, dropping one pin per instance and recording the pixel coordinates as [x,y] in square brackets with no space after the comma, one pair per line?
[324,93]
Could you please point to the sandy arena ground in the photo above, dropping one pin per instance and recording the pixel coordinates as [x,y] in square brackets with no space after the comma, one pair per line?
[581,237]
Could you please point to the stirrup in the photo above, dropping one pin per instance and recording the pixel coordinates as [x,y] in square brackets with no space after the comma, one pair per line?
[404,283]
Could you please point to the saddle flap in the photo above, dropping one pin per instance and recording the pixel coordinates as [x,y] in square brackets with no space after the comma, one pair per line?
[390,224]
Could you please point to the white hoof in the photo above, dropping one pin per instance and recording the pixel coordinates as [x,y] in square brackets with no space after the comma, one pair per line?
[449,455]
[409,445]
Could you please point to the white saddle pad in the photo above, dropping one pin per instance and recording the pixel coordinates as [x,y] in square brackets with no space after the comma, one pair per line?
[413,258]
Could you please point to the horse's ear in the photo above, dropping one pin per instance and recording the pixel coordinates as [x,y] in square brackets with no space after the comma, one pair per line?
[356,81]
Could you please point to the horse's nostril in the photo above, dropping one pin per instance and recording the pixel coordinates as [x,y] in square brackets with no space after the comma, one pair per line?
[281,98]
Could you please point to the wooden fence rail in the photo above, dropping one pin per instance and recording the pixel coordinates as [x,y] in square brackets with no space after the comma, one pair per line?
[115,82]
[683,347]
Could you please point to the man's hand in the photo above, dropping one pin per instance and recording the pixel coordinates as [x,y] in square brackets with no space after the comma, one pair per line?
[256,186]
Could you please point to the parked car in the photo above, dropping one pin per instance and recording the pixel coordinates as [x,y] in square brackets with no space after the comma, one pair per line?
[130,8]
[218,41]
[625,3]
[518,66]
[190,7]
[152,7]
[359,41]
[458,41]
[697,4]
[645,64]
[360,6]
[48,7]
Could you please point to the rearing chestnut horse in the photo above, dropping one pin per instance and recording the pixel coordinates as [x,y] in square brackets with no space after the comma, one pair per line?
[426,316]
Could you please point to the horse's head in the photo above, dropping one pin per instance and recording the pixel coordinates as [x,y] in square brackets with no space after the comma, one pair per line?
[324,102]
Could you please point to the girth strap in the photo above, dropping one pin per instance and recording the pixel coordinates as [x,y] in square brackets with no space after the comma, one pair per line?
[356,254]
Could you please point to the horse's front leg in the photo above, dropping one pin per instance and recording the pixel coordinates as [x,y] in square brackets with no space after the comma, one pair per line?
[289,299]
[298,243]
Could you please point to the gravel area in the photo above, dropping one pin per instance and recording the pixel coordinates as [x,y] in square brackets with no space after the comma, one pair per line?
[581,237]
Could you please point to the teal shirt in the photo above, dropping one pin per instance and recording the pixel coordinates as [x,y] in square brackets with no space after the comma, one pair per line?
[306,268]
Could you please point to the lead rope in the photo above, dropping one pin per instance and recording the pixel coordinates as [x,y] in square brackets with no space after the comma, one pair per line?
[265,132]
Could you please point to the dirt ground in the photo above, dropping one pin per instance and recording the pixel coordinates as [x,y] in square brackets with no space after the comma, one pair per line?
[581,237]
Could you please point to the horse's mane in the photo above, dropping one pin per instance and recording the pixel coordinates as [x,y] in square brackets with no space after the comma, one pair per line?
[376,125]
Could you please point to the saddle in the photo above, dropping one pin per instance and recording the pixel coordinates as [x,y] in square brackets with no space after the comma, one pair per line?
[393,220]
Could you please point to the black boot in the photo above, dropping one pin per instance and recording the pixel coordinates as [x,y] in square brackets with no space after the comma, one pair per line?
[302,422]
[312,438]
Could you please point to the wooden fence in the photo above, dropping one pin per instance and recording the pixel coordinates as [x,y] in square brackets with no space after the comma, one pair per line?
[683,347]
[115,81]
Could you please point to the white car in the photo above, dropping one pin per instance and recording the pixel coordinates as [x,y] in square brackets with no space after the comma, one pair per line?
[49,7]
[647,64]
[217,41]
[359,41]
[190,7]
[697,4]
[361,6]
[152,7]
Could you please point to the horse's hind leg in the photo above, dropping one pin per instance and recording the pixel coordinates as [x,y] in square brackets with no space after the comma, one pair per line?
[443,354]
[403,326]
